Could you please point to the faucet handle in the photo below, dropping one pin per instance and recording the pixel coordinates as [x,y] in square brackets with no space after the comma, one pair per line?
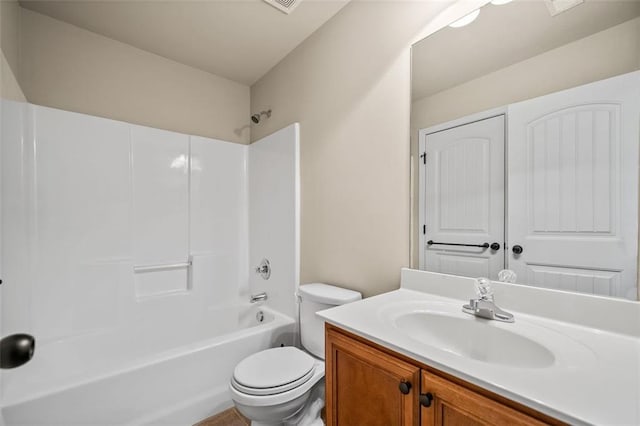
[483,289]
[507,276]
[264,269]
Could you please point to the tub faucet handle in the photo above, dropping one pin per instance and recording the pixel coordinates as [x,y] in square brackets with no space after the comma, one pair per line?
[264,269]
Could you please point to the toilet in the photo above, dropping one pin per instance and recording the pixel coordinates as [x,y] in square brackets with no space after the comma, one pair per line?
[278,386]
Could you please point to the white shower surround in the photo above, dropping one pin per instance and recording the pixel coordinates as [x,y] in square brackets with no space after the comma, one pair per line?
[83,200]
[274,219]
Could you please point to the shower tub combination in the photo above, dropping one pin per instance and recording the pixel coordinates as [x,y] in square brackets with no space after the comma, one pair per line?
[131,267]
[172,381]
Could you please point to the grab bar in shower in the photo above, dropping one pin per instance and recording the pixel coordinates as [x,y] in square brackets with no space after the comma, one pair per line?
[162,267]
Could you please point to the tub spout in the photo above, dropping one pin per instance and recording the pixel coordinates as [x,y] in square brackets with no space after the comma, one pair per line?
[260,297]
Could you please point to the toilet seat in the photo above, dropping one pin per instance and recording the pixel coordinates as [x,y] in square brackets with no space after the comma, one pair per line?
[273,390]
[273,371]
[279,398]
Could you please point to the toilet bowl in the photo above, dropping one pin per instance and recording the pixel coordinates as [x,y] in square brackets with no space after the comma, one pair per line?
[272,386]
[276,386]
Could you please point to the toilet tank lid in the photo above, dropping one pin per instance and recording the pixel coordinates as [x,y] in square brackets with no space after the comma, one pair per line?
[328,294]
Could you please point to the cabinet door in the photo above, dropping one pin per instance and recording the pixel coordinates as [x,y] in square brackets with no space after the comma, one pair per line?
[454,405]
[363,385]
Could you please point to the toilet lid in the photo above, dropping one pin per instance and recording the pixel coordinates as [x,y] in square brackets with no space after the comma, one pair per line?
[275,390]
[273,368]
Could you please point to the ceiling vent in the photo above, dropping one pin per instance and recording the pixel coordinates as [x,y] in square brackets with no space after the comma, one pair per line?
[558,6]
[285,6]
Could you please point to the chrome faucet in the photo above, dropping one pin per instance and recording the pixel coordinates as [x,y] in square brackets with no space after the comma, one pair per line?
[484,306]
[260,297]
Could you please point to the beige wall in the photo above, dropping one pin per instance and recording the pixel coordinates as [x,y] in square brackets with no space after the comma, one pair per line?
[63,66]
[9,24]
[9,30]
[9,86]
[349,87]
[605,54]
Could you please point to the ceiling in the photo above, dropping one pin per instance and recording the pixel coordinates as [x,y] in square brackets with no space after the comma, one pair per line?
[504,35]
[237,39]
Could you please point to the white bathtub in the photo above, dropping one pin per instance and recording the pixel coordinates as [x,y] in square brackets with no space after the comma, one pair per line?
[172,372]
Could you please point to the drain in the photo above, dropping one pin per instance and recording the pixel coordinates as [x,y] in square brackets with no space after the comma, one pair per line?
[260,316]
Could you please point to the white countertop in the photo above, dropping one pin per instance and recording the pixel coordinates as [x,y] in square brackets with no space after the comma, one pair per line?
[594,379]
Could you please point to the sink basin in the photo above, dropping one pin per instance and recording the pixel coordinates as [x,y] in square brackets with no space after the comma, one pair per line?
[479,339]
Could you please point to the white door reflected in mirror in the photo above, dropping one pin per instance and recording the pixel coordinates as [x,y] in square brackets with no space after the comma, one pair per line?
[463,199]
[572,203]
[568,87]
[573,188]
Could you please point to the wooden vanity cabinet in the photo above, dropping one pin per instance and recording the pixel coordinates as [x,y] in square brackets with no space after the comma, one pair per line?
[365,386]
[369,385]
[452,404]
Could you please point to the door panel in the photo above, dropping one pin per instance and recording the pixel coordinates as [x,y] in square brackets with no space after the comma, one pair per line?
[460,263]
[574,279]
[573,188]
[464,198]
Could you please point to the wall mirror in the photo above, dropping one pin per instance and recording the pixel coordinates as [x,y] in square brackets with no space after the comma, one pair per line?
[525,135]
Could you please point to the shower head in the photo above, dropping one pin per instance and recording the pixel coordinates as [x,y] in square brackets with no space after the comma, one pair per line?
[256,117]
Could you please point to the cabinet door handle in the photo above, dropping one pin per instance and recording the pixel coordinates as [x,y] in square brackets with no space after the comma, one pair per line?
[405,387]
[425,399]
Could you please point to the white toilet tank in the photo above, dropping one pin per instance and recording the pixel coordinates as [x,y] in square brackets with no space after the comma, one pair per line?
[314,298]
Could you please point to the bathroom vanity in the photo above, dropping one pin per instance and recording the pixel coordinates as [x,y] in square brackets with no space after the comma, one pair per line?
[412,357]
[408,391]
